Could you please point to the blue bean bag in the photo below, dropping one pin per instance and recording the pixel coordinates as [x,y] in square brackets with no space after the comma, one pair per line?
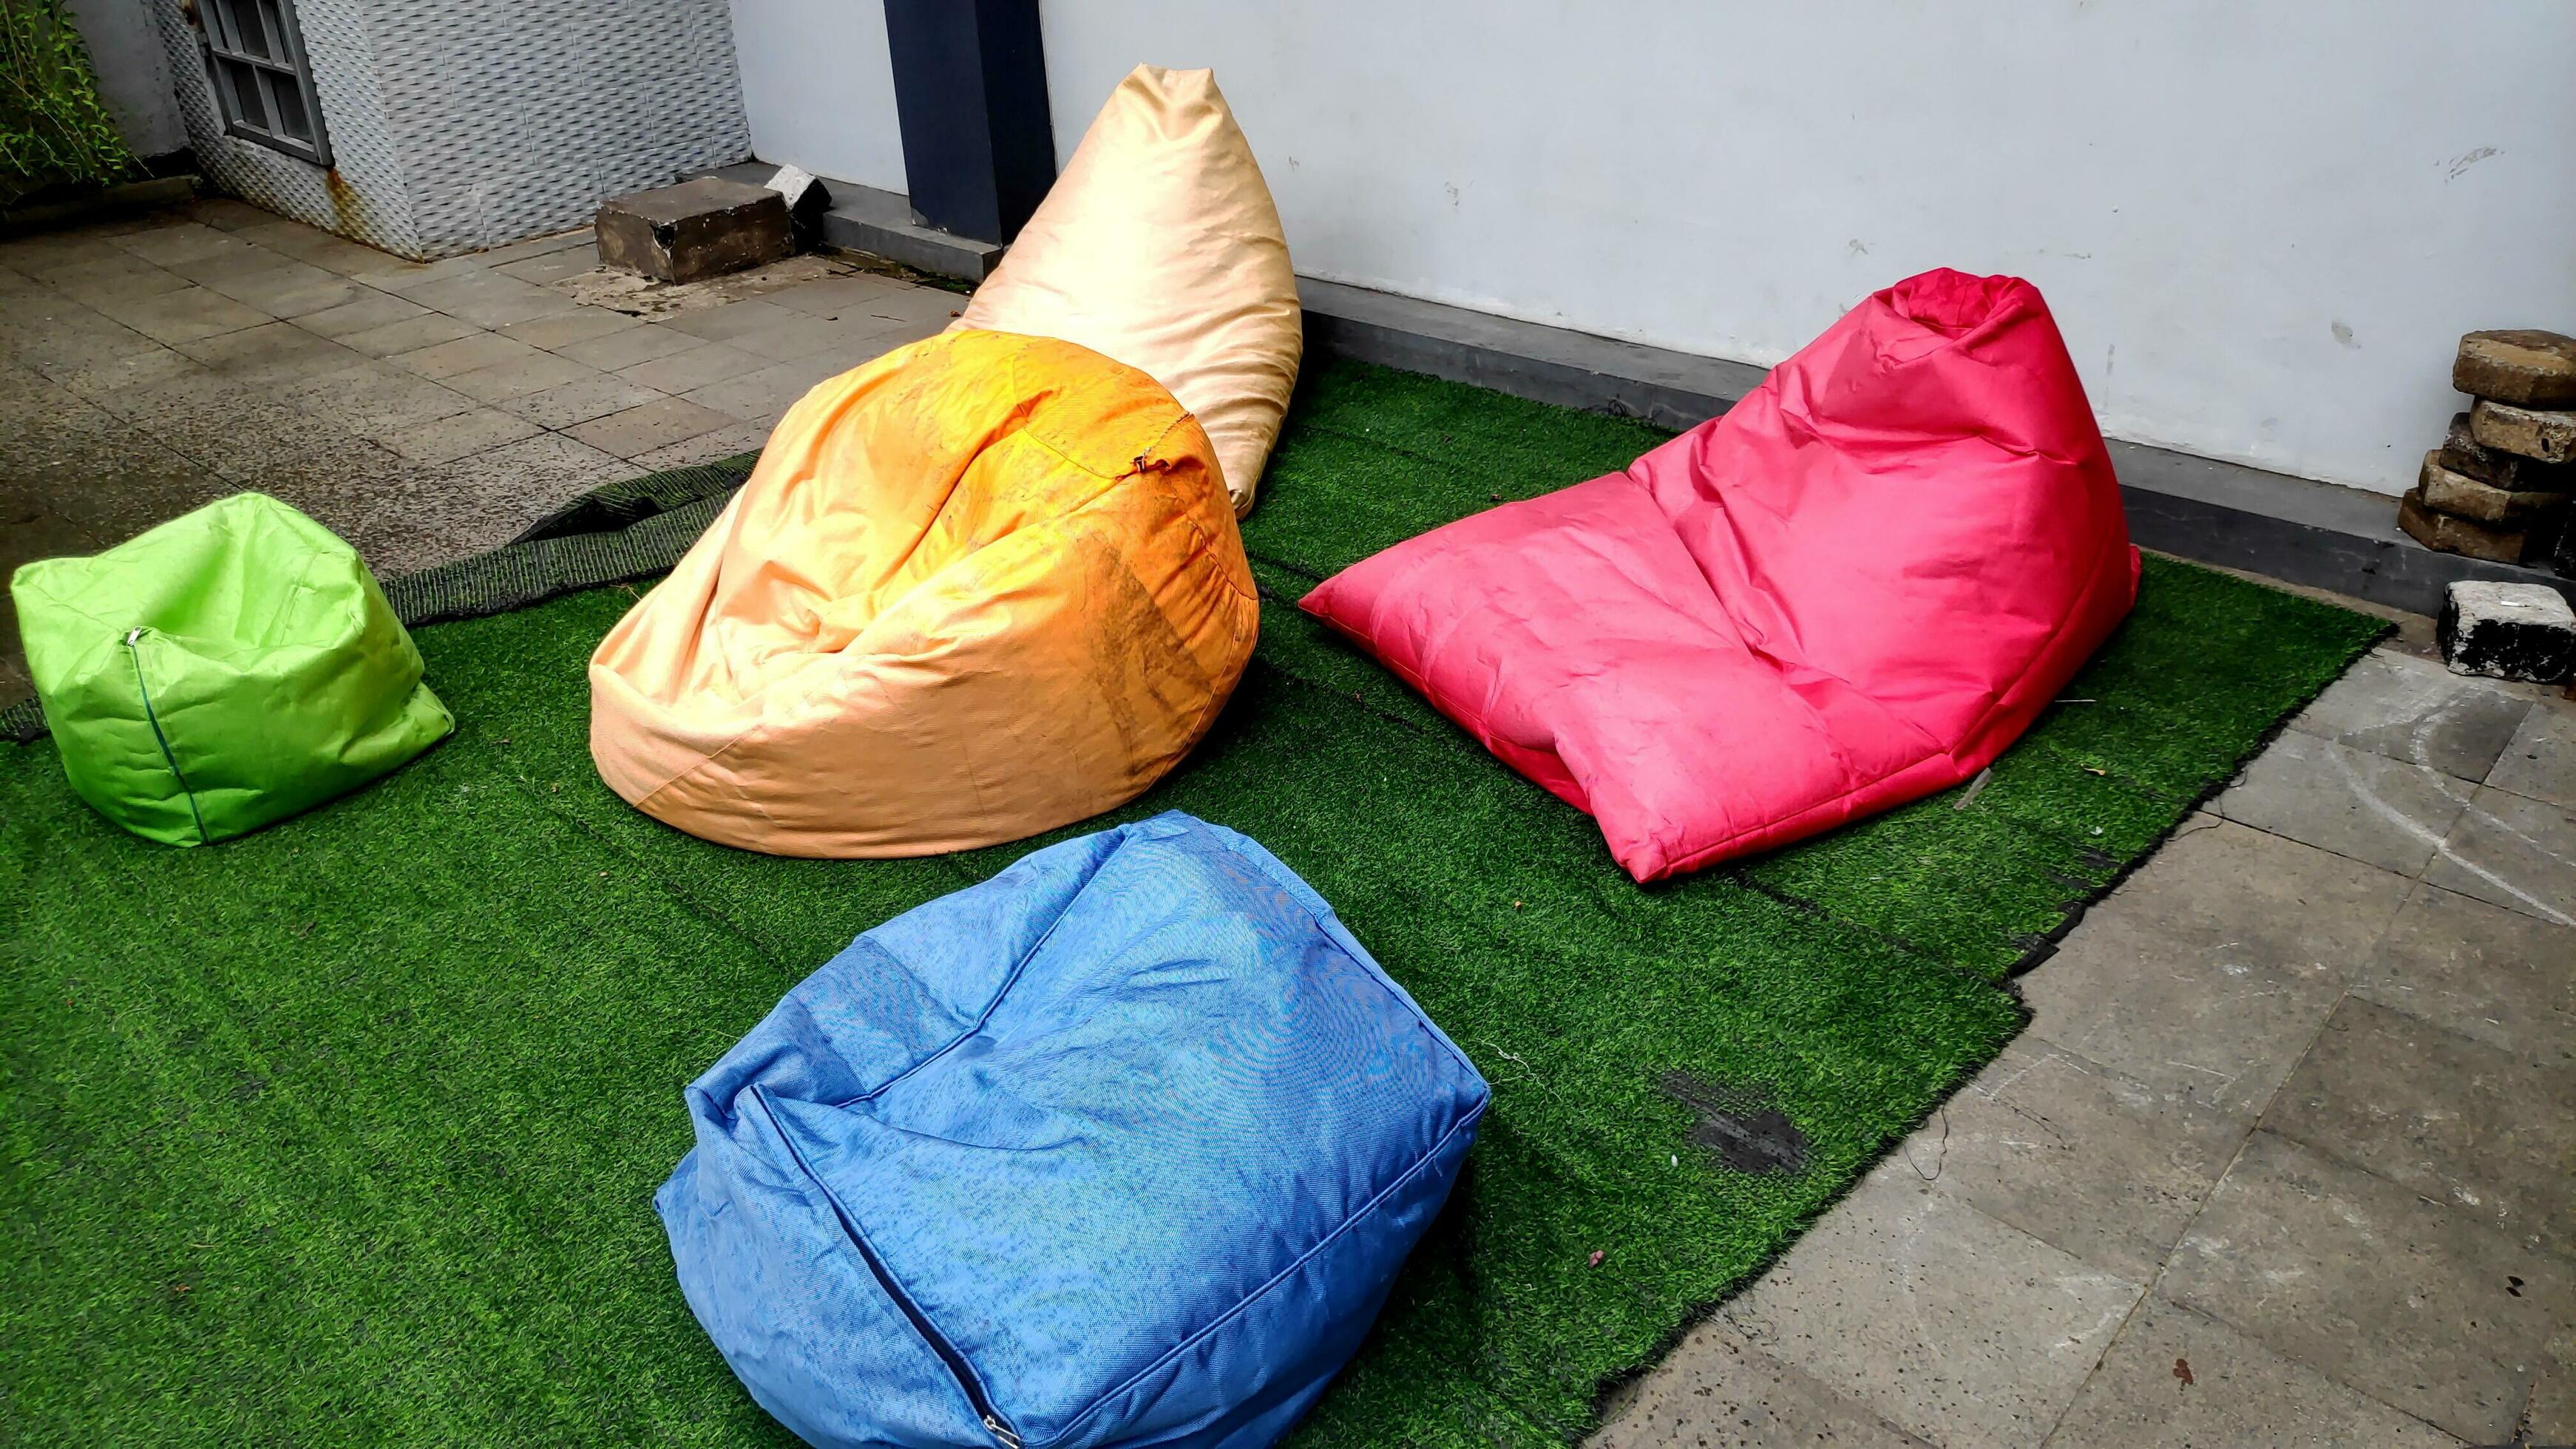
[1123,1146]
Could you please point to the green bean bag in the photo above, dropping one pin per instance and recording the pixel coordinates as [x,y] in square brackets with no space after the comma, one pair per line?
[223,671]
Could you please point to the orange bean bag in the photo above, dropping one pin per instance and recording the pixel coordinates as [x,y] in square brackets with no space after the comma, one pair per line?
[1159,246]
[980,587]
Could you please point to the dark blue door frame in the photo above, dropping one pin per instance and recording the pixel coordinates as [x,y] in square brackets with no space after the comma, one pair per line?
[970,89]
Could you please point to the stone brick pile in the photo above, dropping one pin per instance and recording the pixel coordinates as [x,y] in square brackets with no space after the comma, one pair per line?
[2499,487]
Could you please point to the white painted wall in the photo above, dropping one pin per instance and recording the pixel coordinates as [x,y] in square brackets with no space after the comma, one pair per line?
[818,85]
[2262,224]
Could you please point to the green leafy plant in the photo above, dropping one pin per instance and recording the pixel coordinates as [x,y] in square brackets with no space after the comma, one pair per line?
[54,131]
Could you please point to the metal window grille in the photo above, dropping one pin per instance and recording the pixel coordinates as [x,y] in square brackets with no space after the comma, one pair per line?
[255,54]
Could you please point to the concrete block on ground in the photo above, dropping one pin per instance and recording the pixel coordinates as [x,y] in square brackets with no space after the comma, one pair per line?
[2463,453]
[2462,496]
[2508,631]
[807,199]
[2451,534]
[697,229]
[2522,366]
[2541,433]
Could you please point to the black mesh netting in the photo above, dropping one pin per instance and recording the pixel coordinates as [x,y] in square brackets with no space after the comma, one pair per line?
[616,532]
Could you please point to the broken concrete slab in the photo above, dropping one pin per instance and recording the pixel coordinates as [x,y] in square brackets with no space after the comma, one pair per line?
[697,229]
[2523,366]
[2507,631]
[2467,537]
[2549,436]
[2462,496]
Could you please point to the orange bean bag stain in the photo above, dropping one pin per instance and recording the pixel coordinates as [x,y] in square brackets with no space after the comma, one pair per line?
[981,587]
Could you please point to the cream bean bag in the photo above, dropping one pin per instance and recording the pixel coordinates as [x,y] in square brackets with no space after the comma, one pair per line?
[1159,247]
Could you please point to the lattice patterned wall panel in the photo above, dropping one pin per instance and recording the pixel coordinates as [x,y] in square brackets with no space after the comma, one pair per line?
[363,195]
[463,124]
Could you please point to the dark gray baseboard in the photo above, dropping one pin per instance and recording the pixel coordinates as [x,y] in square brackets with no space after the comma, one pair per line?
[880,223]
[2316,534]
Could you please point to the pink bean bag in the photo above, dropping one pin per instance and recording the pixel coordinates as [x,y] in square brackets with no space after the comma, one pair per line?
[1854,589]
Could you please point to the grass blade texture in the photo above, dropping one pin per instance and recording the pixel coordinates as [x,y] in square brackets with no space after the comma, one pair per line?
[346,1131]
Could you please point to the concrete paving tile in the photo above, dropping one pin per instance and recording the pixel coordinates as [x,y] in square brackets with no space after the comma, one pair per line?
[2550,1417]
[724,442]
[1948,1324]
[488,299]
[227,213]
[113,274]
[409,334]
[464,354]
[124,373]
[580,401]
[582,324]
[2495,975]
[182,242]
[2084,1158]
[287,289]
[645,428]
[281,234]
[630,346]
[731,320]
[2515,852]
[36,255]
[802,336]
[400,274]
[2417,711]
[2540,760]
[761,396]
[2352,802]
[2210,970]
[375,400]
[552,267]
[367,309]
[267,356]
[686,366]
[1716,1391]
[184,315]
[2424,1309]
[2181,1380]
[923,310]
[504,381]
[2459,1121]
[539,246]
[503,490]
[835,296]
[237,259]
[61,338]
[2206,1028]
[446,439]
[95,473]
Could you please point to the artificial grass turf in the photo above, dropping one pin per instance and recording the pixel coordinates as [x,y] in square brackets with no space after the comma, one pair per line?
[346,1131]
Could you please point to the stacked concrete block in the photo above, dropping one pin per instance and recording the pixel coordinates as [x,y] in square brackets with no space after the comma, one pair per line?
[2501,484]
